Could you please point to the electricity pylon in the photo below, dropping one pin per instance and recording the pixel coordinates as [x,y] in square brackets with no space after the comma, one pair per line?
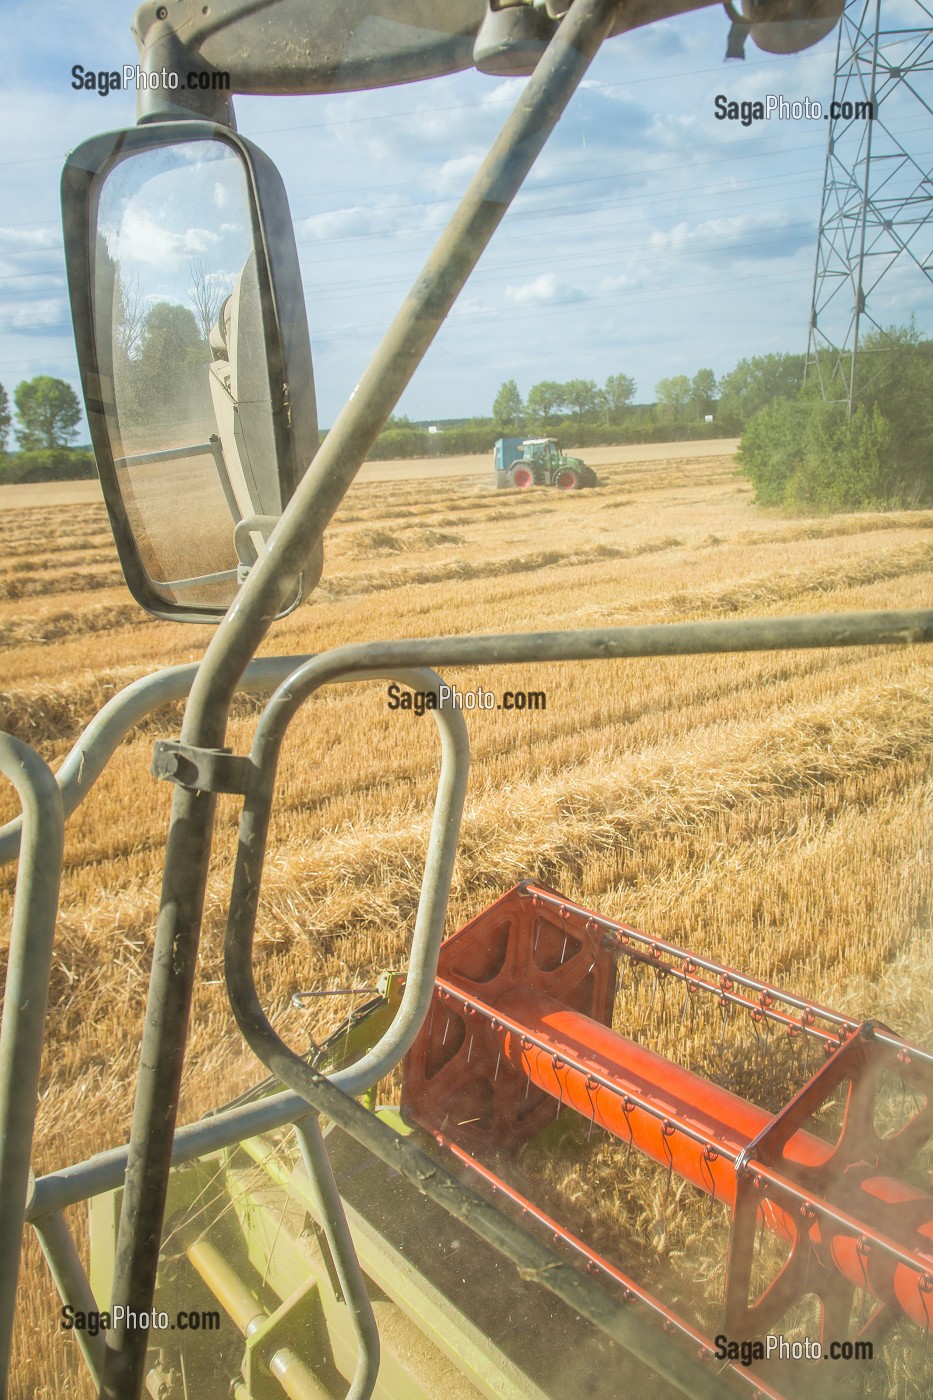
[875,247]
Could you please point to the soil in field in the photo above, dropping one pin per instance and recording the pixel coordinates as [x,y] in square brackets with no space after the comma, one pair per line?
[771,811]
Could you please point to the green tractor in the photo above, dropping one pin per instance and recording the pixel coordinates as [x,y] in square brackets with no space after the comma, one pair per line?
[540,462]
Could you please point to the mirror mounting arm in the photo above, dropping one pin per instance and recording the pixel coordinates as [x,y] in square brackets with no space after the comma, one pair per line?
[163,54]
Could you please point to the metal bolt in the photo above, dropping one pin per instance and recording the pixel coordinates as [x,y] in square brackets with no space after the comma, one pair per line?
[162,12]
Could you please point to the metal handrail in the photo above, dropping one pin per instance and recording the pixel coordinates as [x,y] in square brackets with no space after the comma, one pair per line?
[343,1253]
[35,911]
[428,932]
[88,757]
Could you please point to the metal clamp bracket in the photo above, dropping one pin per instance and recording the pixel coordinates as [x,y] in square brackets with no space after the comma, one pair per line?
[202,770]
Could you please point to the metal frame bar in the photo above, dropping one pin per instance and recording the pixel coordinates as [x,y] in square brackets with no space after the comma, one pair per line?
[35,911]
[333,1220]
[169,454]
[89,756]
[428,931]
[269,586]
[68,1272]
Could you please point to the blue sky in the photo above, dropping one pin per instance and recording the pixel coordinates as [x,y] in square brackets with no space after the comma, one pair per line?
[651,239]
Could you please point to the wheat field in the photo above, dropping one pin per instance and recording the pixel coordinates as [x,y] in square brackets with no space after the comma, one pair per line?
[769,811]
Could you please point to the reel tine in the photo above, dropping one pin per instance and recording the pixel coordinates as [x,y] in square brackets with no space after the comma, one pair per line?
[668,1130]
[756,1016]
[627,1108]
[724,1013]
[924,1288]
[862,1249]
[651,999]
[592,1089]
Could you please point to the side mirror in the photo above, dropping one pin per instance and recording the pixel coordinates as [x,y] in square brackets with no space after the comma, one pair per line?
[194,354]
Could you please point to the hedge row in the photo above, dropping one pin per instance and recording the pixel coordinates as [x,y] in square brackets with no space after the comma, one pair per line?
[77,464]
[397,443]
[40,464]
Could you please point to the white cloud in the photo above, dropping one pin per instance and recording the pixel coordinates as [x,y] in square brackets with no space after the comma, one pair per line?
[455,174]
[33,316]
[546,289]
[30,239]
[638,278]
[144,240]
[754,235]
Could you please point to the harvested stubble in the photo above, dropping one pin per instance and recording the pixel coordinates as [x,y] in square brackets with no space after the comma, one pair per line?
[769,811]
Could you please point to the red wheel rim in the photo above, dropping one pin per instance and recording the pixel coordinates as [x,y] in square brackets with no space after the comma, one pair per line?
[522,478]
[566,481]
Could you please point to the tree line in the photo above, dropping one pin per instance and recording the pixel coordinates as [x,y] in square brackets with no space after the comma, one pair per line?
[47,414]
[46,424]
[680,399]
[799,451]
[159,354]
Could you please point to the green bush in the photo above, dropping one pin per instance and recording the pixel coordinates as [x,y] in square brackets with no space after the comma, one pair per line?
[753,384]
[804,454]
[772,447]
[47,464]
[807,455]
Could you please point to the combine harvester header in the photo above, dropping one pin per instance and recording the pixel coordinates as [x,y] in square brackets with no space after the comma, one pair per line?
[520,1028]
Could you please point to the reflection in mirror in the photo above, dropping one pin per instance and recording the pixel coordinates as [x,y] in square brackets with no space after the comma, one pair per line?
[177,284]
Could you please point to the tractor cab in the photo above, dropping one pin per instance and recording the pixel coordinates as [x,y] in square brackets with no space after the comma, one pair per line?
[545,451]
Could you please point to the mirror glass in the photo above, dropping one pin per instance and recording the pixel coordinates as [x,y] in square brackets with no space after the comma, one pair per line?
[178,295]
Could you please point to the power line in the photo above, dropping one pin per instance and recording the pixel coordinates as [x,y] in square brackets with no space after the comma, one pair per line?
[489,103]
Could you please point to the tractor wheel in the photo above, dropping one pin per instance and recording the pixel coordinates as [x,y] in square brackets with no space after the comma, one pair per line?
[522,477]
[567,480]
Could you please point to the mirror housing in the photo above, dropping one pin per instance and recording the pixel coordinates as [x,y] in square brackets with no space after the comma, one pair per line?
[200,399]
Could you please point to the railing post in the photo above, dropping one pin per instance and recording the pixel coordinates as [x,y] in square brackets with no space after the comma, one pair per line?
[35,910]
